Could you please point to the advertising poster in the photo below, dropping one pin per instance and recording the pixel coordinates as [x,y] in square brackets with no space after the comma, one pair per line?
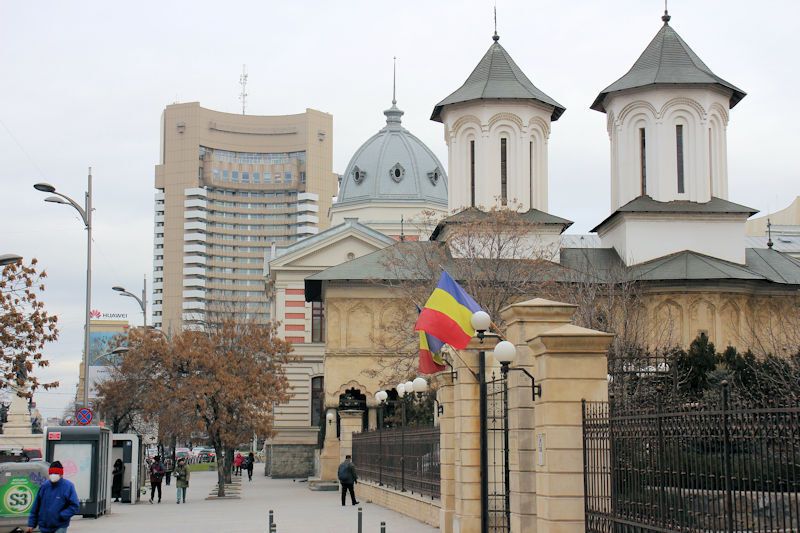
[77,461]
[17,493]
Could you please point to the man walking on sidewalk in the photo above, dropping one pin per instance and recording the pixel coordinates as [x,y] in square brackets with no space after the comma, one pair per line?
[348,478]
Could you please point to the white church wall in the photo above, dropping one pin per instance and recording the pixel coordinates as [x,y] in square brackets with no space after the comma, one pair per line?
[703,114]
[526,126]
[638,239]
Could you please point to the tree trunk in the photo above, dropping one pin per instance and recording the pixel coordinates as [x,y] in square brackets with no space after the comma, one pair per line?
[229,465]
[221,460]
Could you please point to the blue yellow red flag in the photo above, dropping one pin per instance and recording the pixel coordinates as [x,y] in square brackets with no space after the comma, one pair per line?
[447,313]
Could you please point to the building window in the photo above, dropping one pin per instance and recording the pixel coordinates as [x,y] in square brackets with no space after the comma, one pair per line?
[235,176]
[267,177]
[472,173]
[679,150]
[256,177]
[302,177]
[317,322]
[530,169]
[710,164]
[245,177]
[277,177]
[287,177]
[317,401]
[224,175]
[643,160]
[503,172]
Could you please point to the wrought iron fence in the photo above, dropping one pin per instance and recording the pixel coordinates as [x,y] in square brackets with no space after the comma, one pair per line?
[718,466]
[403,458]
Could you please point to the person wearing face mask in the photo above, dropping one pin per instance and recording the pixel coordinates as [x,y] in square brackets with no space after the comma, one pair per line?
[55,504]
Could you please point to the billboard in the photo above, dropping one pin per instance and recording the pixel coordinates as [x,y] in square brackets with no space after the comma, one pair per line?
[104,335]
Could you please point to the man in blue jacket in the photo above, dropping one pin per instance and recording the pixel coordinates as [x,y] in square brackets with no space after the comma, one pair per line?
[55,503]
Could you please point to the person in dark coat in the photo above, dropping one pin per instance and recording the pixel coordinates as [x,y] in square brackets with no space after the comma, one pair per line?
[118,474]
[249,463]
[55,503]
[156,475]
[348,478]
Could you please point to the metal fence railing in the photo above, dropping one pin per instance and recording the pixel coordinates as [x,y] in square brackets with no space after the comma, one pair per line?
[716,467]
[405,459]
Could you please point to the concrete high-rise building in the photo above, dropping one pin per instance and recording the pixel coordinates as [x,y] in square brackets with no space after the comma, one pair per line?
[229,189]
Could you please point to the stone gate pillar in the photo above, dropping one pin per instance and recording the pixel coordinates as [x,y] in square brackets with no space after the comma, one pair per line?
[350,421]
[526,320]
[329,457]
[444,395]
[466,446]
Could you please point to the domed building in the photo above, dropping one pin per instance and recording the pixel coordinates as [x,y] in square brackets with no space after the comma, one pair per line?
[390,181]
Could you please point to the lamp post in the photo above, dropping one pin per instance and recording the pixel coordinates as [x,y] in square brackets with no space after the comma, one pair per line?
[86,215]
[9,259]
[481,321]
[381,396]
[142,301]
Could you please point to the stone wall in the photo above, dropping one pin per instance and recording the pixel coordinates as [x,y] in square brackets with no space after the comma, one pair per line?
[413,505]
[290,460]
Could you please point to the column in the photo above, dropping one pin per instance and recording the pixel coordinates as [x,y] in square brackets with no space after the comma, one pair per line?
[466,447]
[571,364]
[329,457]
[523,321]
[444,395]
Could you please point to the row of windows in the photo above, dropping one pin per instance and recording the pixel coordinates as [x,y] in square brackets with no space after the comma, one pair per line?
[228,270]
[228,259]
[260,249]
[252,216]
[255,177]
[247,238]
[220,293]
[252,158]
[243,282]
[254,227]
[252,194]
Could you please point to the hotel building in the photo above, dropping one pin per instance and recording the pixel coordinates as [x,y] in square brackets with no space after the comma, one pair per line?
[230,189]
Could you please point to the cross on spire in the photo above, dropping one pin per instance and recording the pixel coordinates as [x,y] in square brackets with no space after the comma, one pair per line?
[666,16]
[394,81]
[495,37]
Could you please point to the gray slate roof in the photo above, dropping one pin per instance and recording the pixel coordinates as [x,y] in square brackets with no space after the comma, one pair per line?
[645,204]
[497,77]
[667,60]
[473,214]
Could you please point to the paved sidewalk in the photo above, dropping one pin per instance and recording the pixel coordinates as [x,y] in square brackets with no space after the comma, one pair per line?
[297,510]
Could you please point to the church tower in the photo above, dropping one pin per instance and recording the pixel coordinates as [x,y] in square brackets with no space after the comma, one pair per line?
[667,120]
[496,127]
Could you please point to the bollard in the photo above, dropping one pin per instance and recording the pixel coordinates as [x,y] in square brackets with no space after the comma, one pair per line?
[383,527]
[359,520]
[271,519]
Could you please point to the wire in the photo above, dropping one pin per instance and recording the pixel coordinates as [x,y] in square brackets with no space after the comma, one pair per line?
[19,145]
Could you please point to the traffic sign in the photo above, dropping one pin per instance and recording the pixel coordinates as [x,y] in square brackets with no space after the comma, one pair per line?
[84,416]
[53,435]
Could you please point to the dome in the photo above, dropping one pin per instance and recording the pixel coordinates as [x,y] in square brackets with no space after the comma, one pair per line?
[393,166]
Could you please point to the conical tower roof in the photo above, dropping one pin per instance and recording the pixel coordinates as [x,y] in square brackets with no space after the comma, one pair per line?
[667,60]
[497,77]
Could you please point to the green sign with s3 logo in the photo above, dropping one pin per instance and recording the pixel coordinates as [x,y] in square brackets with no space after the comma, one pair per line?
[16,496]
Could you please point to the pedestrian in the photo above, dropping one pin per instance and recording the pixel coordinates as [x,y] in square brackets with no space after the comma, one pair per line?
[249,463]
[168,466]
[118,474]
[348,478]
[181,480]
[156,475]
[55,503]
[237,463]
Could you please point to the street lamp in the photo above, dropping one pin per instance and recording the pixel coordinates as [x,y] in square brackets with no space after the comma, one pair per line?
[9,259]
[86,215]
[142,301]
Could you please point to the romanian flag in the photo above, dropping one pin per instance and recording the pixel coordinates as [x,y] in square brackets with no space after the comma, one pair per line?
[430,356]
[447,314]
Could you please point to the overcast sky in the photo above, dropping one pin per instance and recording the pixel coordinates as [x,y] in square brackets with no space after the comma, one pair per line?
[84,83]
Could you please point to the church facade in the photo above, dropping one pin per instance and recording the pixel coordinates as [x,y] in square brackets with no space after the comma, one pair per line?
[672,229]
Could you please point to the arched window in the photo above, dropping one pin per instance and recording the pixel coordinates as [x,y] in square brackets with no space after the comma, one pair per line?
[503,170]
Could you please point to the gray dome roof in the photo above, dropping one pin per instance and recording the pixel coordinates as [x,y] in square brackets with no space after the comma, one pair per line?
[393,166]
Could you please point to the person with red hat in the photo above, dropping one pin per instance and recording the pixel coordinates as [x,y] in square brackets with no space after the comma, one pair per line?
[55,504]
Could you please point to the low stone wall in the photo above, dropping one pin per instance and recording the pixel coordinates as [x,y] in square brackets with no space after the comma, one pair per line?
[418,507]
[290,460]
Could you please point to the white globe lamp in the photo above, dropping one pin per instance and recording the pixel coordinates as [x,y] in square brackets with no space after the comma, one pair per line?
[381,396]
[410,387]
[505,352]
[481,321]
[420,384]
[401,389]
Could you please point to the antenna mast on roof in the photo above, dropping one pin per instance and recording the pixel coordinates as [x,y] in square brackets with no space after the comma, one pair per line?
[769,234]
[243,83]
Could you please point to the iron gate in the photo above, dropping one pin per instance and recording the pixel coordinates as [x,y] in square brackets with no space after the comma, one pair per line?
[714,467]
[497,444]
